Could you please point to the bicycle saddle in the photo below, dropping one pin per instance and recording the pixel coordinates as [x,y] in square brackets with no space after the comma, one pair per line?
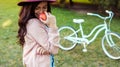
[78,20]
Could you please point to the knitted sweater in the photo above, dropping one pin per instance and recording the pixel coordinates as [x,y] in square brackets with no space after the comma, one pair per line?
[39,35]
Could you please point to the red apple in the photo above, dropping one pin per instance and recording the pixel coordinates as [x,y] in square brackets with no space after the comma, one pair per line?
[43,16]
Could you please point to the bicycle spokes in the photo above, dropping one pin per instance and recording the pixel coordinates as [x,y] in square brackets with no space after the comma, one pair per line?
[66,43]
[116,48]
[111,45]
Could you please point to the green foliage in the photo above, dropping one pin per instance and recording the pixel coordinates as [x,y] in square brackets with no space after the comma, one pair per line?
[107,4]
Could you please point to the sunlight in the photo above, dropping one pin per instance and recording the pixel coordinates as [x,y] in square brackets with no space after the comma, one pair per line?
[7,23]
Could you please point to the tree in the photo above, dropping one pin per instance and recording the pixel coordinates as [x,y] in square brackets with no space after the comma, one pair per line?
[103,5]
[107,4]
[63,2]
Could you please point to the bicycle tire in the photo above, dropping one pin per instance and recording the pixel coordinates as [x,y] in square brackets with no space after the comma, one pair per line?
[111,45]
[64,43]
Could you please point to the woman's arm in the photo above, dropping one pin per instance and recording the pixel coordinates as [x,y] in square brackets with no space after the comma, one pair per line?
[42,51]
[48,40]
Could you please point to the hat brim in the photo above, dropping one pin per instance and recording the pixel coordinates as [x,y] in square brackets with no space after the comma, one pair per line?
[24,2]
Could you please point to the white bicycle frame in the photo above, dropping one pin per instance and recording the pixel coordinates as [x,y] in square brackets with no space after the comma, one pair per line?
[84,38]
[110,40]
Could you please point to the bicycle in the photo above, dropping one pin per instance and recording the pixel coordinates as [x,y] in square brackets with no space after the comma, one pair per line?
[110,41]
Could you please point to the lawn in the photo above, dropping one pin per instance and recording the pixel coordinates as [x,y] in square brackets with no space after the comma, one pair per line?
[11,52]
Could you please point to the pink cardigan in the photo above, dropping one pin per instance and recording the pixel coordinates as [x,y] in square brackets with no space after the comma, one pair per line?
[38,35]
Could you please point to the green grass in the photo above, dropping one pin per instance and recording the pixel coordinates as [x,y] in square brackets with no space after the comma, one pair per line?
[11,52]
[95,56]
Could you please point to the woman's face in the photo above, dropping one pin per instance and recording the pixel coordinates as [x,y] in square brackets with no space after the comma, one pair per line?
[41,7]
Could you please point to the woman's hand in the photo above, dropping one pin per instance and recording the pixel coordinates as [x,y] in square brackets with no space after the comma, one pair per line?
[42,51]
[50,20]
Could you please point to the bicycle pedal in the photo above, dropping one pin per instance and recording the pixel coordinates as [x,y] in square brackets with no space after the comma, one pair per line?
[84,50]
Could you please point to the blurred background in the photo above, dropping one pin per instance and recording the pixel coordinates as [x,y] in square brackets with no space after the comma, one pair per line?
[97,5]
[65,11]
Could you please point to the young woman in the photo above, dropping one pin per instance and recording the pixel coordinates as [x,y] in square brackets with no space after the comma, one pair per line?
[39,38]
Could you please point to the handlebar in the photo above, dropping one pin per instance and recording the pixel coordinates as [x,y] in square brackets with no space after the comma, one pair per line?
[107,17]
[109,12]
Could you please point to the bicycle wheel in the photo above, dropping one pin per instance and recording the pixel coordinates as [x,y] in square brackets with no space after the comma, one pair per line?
[66,44]
[111,45]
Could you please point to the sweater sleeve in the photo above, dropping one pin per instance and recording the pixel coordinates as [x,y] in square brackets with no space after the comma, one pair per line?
[49,40]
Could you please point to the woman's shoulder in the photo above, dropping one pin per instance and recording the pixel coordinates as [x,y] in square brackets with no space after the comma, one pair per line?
[34,22]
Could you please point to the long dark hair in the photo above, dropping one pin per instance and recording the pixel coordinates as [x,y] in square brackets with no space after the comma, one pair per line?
[26,13]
